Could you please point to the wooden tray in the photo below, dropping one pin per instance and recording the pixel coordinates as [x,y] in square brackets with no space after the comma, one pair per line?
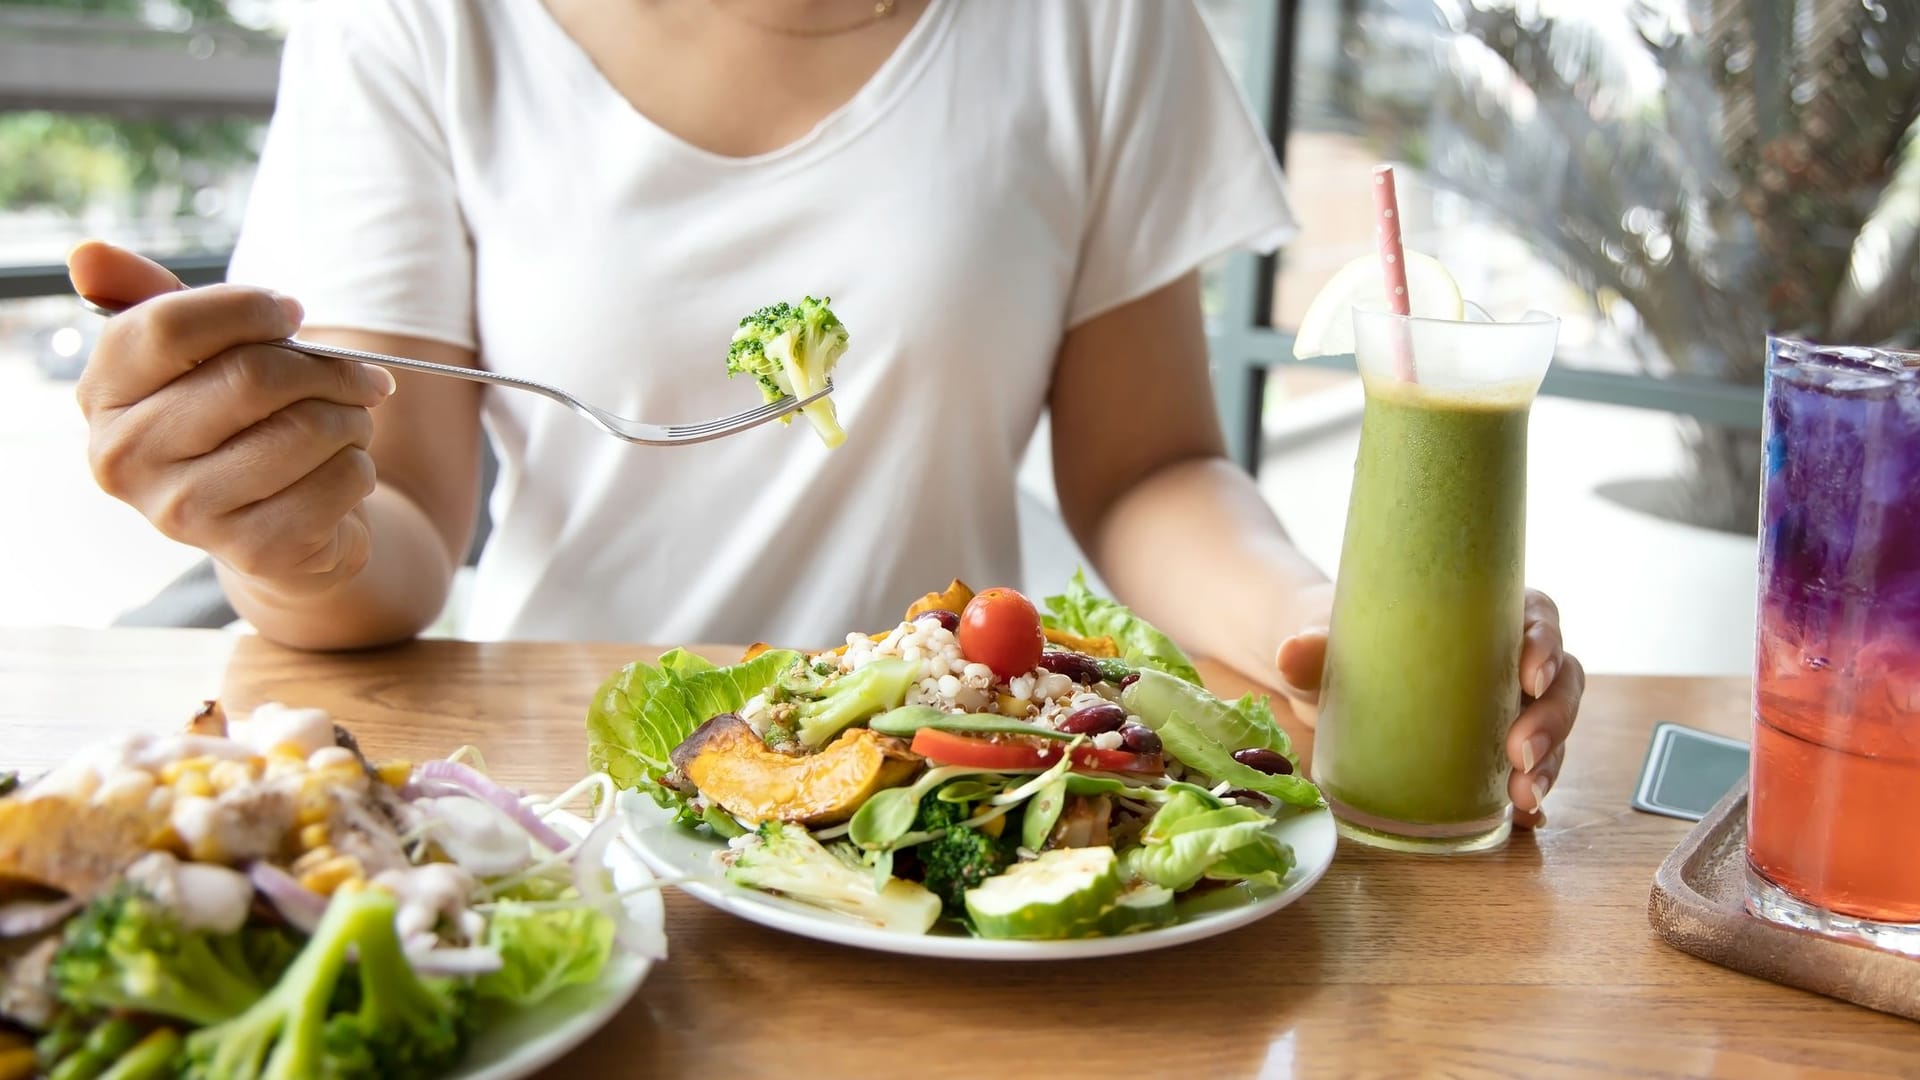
[1698,906]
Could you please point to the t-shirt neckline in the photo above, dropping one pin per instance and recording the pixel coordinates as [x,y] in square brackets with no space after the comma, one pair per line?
[869,103]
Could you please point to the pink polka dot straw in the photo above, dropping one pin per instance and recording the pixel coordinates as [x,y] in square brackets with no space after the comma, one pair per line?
[1386,205]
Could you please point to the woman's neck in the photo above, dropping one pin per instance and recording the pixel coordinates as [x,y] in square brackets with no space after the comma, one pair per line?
[737,77]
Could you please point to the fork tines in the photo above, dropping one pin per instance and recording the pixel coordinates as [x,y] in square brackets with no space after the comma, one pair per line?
[745,419]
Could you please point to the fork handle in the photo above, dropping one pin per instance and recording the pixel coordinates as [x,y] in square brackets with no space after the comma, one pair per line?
[399,363]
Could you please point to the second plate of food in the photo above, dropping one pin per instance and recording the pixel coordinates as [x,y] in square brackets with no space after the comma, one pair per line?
[677,852]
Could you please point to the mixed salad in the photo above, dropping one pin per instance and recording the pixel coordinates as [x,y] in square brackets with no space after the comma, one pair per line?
[252,897]
[980,766]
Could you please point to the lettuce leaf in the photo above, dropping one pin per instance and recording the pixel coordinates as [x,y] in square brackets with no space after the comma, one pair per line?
[1189,839]
[544,950]
[1192,748]
[643,711]
[1081,612]
[1202,732]
[1236,725]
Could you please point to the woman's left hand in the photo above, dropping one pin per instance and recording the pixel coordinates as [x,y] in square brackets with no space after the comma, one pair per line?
[1551,681]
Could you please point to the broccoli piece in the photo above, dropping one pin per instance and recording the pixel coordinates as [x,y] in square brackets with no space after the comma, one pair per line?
[102,1048]
[149,1059]
[780,735]
[789,349]
[391,1024]
[127,951]
[878,686]
[962,857]
[81,1048]
[65,1037]
[799,681]
[786,859]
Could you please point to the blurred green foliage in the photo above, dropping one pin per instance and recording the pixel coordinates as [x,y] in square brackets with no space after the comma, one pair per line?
[67,162]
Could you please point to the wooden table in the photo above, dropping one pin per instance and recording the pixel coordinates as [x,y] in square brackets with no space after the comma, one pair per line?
[1533,961]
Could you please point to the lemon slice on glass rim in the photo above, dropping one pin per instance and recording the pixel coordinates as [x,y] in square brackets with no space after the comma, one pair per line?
[1327,327]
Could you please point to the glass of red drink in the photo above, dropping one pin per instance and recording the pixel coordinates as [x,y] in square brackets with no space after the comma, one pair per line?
[1834,812]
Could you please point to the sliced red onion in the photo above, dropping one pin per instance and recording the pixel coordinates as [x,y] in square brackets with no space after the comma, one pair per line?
[475,835]
[476,960]
[589,876]
[24,918]
[429,789]
[299,905]
[477,784]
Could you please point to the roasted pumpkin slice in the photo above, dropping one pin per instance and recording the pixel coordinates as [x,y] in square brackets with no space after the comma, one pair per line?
[730,764]
[955,599]
[1095,646]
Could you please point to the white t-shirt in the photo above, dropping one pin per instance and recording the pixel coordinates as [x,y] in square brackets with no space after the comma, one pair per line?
[459,170]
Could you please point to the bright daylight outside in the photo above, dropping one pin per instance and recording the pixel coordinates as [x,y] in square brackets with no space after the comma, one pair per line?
[1530,687]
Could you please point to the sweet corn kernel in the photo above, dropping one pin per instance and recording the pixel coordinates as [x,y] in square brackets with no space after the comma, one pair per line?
[995,827]
[227,775]
[206,849]
[335,872]
[353,779]
[166,839]
[313,858]
[395,773]
[314,804]
[312,837]
[128,787]
[192,783]
[172,771]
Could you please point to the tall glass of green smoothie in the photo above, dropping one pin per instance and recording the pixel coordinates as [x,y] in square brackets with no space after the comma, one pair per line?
[1422,680]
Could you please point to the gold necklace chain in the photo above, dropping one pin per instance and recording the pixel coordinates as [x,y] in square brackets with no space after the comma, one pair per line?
[881,9]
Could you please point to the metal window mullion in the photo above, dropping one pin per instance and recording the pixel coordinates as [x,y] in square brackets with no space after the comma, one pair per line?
[1239,374]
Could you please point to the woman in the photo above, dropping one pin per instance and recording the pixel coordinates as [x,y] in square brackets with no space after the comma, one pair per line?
[1006,200]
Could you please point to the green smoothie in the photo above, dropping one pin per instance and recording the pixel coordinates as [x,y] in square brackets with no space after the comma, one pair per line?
[1422,679]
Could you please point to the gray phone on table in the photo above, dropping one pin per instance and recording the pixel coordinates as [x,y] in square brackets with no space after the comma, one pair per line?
[1687,771]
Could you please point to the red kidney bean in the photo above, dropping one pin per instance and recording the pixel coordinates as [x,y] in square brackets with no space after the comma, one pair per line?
[942,616]
[1093,720]
[1271,762]
[1073,665]
[1129,679]
[1140,738]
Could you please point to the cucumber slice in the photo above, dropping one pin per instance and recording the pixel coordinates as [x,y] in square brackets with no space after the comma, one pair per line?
[904,721]
[1061,894]
[1042,813]
[1143,907]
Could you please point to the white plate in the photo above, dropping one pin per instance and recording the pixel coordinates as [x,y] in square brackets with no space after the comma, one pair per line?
[514,1043]
[675,852]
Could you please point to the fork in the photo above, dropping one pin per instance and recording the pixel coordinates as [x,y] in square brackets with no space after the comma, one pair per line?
[620,427]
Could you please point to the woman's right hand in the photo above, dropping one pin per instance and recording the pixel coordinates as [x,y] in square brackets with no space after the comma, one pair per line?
[254,454]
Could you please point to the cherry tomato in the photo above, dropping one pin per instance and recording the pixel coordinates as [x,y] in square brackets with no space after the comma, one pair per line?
[974,752]
[1001,629]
